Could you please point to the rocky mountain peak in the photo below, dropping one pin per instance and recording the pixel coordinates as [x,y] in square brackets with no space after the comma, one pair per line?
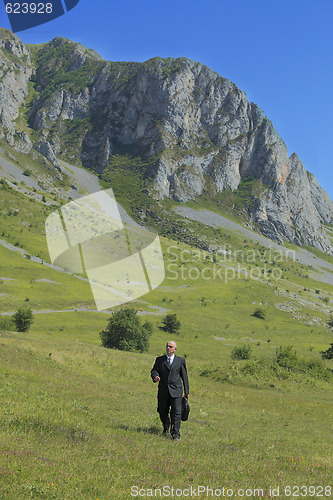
[12,43]
[64,47]
[195,131]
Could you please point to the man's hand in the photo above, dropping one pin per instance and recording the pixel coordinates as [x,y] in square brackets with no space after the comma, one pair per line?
[187,395]
[157,378]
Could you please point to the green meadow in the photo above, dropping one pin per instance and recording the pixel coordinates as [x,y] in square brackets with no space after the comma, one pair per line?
[80,421]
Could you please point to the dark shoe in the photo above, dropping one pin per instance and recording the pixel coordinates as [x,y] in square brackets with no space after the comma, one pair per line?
[166,429]
[175,437]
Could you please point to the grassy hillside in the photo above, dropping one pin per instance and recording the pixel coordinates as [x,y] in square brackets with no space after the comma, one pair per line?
[80,421]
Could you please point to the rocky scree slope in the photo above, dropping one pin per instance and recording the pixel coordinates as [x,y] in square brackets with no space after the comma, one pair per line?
[194,131]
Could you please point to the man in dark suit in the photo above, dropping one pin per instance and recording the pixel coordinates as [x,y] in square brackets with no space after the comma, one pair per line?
[171,374]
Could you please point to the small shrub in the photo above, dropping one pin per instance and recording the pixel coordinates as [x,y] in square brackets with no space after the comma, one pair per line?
[170,323]
[216,373]
[251,368]
[317,370]
[243,352]
[23,319]
[286,357]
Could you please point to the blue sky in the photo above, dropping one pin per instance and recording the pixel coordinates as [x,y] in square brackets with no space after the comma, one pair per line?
[279,52]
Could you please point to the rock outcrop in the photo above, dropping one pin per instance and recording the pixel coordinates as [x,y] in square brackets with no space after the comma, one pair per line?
[15,73]
[195,129]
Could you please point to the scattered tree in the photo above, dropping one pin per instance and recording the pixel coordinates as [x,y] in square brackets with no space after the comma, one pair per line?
[125,332]
[23,319]
[170,323]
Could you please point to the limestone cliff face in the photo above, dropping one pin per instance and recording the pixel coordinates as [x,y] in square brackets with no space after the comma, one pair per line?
[287,209]
[15,72]
[197,131]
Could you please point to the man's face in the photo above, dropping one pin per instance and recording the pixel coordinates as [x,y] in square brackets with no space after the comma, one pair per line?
[170,349]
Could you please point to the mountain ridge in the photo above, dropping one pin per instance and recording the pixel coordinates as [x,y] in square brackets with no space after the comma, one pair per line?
[194,131]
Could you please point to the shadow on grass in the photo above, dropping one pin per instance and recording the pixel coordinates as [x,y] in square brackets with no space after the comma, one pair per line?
[44,427]
[149,430]
[153,429]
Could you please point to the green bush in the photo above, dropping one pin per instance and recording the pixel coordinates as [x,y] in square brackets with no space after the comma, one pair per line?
[286,367]
[170,323]
[125,332]
[328,354]
[252,368]
[317,370]
[286,357]
[243,352]
[216,373]
[23,319]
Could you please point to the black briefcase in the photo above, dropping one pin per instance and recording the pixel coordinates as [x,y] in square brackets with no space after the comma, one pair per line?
[185,409]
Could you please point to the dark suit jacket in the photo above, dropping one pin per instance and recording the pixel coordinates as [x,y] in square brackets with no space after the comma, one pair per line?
[172,379]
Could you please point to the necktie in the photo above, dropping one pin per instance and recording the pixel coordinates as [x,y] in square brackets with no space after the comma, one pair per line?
[169,362]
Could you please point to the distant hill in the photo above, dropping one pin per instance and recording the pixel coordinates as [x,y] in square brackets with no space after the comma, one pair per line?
[183,130]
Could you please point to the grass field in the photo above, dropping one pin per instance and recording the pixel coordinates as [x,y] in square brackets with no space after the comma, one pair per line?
[78,421]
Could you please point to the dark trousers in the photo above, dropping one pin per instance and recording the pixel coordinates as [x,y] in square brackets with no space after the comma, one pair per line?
[163,408]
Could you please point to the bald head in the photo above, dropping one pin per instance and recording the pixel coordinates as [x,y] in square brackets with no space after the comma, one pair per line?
[171,347]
